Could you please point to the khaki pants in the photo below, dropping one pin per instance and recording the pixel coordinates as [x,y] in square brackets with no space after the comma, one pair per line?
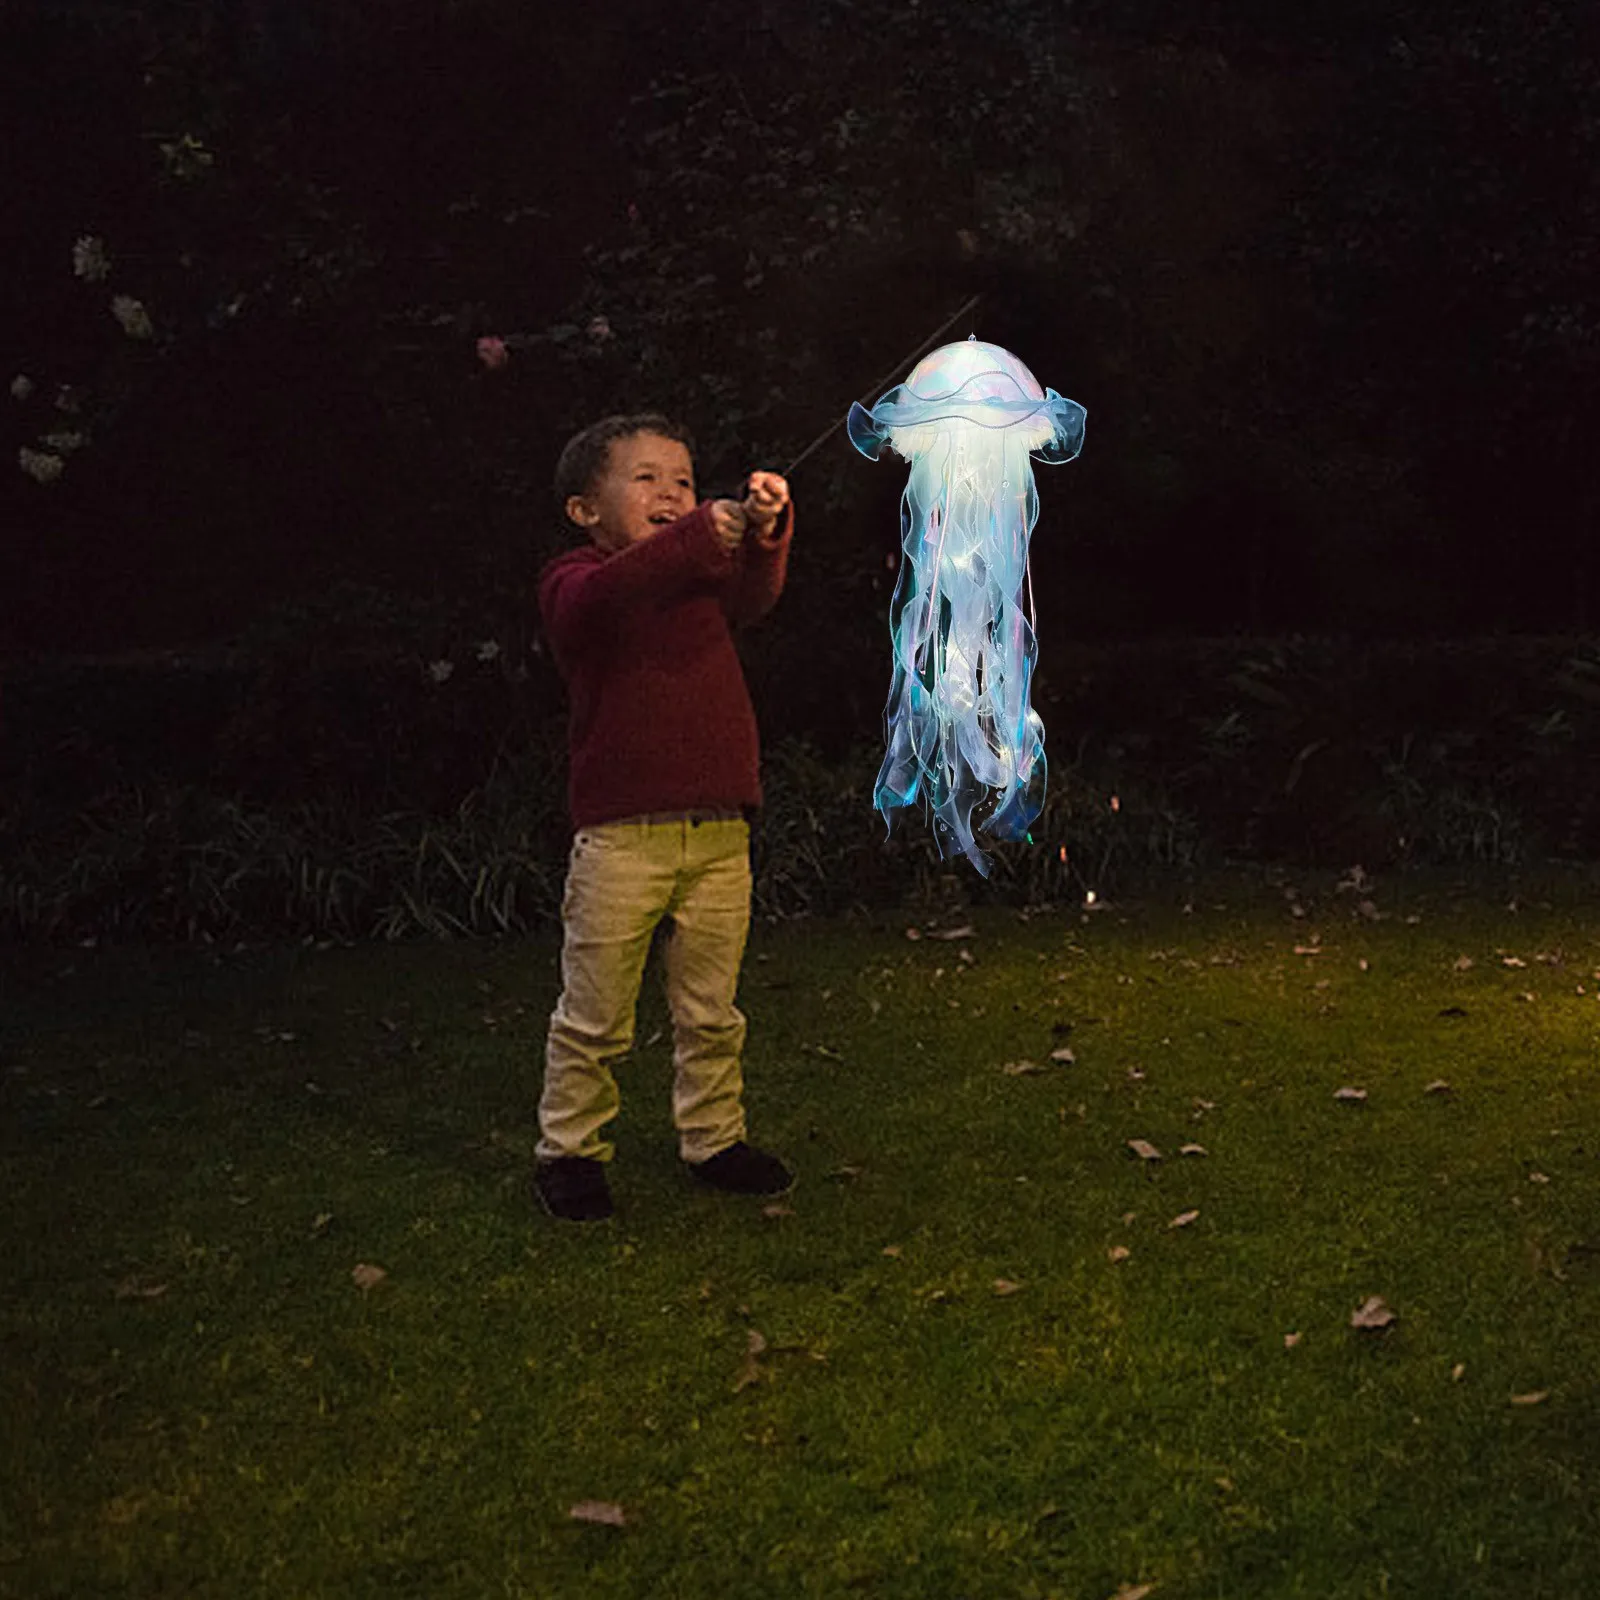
[622,879]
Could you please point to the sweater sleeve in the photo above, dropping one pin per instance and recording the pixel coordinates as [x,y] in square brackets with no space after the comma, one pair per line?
[759,573]
[581,599]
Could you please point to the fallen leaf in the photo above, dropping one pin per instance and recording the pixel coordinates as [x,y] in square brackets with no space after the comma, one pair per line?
[1021,1069]
[892,1250]
[1290,1340]
[1129,1218]
[913,934]
[1118,1252]
[138,1289]
[1065,1055]
[777,1209]
[1534,1397]
[1183,1219]
[601,1513]
[321,1223]
[1004,1287]
[1131,1592]
[1364,964]
[1193,1150]
[1350,1096]
[1458,1372]
[1512,961]
[750,1372]
[1372,1313]
[1204,1105]
[1439,1086]
[843,1174]
[1538,1177]
[965,931]
[365,1276]
[1464,963]
[1144,1150]
[1309,950]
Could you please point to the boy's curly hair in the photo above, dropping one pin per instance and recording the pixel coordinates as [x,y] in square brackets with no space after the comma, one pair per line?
[585,454]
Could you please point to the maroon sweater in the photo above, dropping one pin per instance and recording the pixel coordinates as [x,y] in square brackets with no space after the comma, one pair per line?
[661,717]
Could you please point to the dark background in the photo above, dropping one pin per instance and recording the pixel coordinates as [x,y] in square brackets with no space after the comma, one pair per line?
[1319,590]
[1322,275]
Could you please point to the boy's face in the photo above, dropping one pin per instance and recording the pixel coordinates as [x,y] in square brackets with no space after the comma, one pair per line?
[647,482]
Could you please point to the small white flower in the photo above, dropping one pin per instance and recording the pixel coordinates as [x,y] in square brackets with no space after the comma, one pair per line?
[90,261]
[440,671]
[40,465]
[489,650]
[132,315]
[21,386]
[63,442]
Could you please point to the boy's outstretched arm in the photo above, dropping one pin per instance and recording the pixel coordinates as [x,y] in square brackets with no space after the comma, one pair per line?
[581,597]
[764,554]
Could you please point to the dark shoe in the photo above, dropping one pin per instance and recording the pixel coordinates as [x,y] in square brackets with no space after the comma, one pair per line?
[741,1169]
[574,1188]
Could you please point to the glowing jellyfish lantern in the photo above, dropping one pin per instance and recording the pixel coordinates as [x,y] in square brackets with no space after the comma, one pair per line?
[958,723]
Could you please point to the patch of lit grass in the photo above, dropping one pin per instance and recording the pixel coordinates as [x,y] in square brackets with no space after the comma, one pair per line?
[955,1388]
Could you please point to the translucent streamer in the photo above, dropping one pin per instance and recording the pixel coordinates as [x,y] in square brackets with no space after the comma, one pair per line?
[962,737]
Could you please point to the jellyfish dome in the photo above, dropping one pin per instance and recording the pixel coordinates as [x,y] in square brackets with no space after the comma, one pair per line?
[961,735]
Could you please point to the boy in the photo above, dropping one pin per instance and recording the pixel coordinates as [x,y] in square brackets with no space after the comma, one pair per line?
[664,773]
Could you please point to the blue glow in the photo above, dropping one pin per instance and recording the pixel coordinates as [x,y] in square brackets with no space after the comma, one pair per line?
[970,419]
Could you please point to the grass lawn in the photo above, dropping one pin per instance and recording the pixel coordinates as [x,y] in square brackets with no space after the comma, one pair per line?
[972,1355]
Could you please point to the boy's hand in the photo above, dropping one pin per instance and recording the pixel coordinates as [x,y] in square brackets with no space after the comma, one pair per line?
[728,520]
[765,497]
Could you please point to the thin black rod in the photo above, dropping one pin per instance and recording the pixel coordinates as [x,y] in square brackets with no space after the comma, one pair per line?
[872,393]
